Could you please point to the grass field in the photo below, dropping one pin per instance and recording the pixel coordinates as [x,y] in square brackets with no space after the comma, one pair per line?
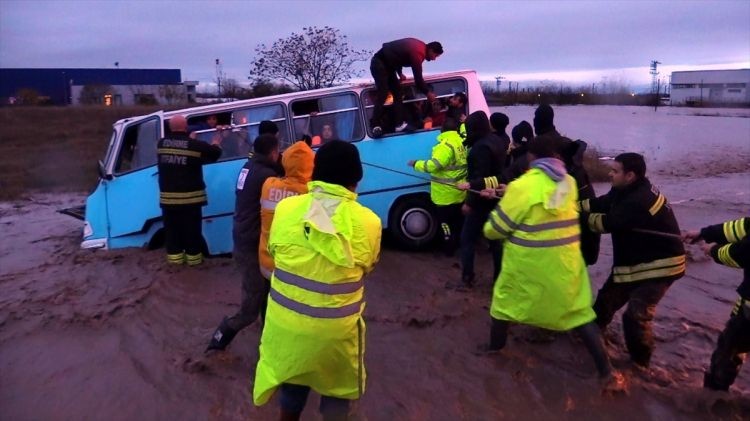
[57,148]
[54,148]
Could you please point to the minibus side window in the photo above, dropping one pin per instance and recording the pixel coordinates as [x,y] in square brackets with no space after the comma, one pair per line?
[417,111]
[139,146]
[246,123]
[203,128]
[328,117]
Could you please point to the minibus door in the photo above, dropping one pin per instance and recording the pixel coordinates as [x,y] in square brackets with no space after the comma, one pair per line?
[133,190]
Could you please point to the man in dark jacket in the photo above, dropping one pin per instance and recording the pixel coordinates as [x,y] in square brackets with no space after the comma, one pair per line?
[499,123]
[517,162]
[246,236]
[729,244]
[485,160]
[386,66]
[182,192]
[645,263]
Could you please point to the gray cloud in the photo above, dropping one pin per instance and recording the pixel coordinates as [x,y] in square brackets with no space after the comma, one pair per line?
[489,36]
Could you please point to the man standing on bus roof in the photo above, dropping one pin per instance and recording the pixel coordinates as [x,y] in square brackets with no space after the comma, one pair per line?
[386,65]
[246,237]
[182,191]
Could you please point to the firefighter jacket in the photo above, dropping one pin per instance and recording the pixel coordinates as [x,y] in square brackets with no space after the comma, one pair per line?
[638,256]
[180,163]
[298,166]
[323,244]
[544,281]
[246,229]
[732,248]
[447,165]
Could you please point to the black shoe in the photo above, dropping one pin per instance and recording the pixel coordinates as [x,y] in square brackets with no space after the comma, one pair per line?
[377,132]
[221,337]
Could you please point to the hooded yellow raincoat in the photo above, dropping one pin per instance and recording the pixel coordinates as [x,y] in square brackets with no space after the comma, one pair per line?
[298,167]
[323,243]
[544,281]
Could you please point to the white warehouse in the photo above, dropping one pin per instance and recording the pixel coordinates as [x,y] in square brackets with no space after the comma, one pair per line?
[711,87]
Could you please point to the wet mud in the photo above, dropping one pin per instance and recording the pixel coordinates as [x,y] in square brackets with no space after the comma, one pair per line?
[119,335]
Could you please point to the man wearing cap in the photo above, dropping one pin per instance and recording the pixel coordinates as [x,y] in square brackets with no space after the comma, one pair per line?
[323,243]
[386,66]
[182,192]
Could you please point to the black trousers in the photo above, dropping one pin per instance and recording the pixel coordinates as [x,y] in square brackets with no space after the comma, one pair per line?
[471,232]
[386,80]
[451,223]
[641,298]
[183,229]
[733,343]
[589,333]
[254,290]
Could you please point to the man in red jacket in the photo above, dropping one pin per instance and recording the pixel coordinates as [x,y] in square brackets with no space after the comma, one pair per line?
[386,65]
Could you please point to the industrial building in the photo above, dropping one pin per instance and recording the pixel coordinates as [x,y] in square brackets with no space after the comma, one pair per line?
[711,88]
[95,86]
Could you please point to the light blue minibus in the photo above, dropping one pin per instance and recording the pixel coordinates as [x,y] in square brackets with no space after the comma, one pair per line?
[123,210]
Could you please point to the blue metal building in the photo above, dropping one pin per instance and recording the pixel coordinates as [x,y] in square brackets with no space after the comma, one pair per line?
[56,83]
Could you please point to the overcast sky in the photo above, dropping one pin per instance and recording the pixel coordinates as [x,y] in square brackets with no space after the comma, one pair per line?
[573,41]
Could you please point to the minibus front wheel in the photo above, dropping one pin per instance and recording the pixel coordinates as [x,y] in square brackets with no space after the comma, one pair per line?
[413,221]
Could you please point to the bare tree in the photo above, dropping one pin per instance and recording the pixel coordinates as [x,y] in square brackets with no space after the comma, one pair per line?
[317,58]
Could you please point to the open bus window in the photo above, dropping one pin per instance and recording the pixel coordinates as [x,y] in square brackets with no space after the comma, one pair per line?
[417,111]
[246,124]
[208,127]
[139,146]
[328,117]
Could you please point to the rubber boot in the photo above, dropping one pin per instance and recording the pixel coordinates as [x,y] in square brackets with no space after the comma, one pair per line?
[221,337]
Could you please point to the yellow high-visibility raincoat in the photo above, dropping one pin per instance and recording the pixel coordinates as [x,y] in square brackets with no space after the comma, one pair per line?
[446,165]
[323,243]
[543,281]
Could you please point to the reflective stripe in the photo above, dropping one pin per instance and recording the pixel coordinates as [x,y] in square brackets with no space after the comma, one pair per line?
[734,231]
[317,312]
[497,227]
[446,180]
[725,257]
[317,286]
[191,201]
[268,204]
[585,205]
[660,268]
[544,243]
[437,163]
[596,222]
[512,225]
[660,200]
[182,195]
[183,152]
[548,225]
[454,167]
[182,198]
[194,259]
[176,258]
[490,182]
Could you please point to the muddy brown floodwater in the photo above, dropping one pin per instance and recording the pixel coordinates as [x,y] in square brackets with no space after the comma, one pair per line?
[117,335]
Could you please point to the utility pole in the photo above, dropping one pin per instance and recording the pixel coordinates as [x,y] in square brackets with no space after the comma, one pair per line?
[497,82]
[219,76]
[654,73]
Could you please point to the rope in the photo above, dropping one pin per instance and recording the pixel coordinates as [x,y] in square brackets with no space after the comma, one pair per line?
[422,178]
[658,233]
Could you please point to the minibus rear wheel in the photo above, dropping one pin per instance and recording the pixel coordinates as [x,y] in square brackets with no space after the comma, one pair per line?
[413,221]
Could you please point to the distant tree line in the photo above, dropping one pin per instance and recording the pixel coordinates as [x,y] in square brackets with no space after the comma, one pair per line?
[614,93]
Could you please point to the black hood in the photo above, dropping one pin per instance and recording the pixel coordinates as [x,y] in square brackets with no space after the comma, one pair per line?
[477,126]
